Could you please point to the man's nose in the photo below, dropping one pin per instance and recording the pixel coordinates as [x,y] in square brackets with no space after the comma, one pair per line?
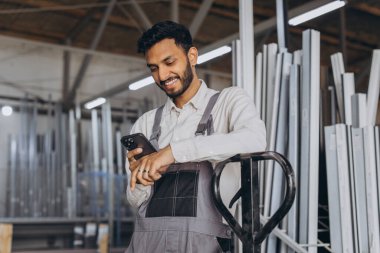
[163,73]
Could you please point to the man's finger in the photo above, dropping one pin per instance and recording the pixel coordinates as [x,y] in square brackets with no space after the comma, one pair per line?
[139,176]
[133,179]
[154,174]
[146,175]
[132,153]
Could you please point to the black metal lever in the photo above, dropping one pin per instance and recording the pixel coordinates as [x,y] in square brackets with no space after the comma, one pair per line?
[252,235]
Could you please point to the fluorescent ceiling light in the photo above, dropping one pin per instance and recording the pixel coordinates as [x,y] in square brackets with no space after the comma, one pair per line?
[6,110]
[141,83]
[213,54]
[94,103]
[316,12]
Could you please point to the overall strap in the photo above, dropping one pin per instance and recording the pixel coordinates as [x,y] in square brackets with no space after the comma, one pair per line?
[156,130]
[206,122]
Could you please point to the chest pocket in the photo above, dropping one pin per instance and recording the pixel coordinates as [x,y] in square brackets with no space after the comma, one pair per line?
[175,194]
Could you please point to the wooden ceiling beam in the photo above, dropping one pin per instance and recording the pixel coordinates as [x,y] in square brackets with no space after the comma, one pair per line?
[231,14]
[29,35]
[367,8]
[80,13]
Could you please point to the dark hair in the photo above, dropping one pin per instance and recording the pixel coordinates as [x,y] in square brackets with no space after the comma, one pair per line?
[165,30]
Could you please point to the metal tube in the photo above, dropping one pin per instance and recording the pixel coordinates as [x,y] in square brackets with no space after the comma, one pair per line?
[282,23]
[246,31]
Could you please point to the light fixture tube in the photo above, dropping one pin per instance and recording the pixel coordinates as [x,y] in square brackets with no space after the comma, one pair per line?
[316,12]
[141,83]
[94,103]
[213,54]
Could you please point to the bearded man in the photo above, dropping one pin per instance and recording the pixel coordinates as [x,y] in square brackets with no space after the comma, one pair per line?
[194,129]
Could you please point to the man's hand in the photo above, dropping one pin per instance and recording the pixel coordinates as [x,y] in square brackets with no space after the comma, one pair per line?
[134,165]
[150,167]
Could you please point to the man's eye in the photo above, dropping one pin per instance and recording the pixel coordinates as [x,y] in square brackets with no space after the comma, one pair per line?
[170,62]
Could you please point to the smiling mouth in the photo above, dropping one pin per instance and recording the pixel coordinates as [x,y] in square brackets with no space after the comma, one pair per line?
[169,81]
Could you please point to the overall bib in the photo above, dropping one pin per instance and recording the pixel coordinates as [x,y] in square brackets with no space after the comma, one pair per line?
[180,215]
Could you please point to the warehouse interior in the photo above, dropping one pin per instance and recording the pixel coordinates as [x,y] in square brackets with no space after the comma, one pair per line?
[62,176]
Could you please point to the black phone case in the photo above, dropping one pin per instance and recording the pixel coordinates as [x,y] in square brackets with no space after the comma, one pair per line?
[138,140]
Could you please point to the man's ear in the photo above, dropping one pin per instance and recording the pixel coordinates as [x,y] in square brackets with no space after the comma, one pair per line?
[193,56]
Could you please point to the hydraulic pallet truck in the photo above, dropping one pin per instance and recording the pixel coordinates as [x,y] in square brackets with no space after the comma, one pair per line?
[251,233]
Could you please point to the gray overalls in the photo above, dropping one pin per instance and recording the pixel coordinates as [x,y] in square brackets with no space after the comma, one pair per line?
[180,215]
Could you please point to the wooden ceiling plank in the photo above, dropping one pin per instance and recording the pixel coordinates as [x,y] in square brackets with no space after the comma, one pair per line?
[75,12]
[367,8]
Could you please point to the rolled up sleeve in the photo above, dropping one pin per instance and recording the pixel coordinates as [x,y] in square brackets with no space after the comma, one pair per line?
[246,132]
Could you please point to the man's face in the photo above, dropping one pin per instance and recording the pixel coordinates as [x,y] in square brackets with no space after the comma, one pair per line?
[170,67]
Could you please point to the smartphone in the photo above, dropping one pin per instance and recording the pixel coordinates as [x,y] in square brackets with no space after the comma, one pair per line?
[138,140]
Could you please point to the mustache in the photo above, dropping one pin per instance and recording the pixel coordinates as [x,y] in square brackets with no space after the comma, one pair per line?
[169,79]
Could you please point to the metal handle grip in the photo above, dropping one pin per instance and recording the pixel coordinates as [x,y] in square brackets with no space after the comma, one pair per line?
[262,233]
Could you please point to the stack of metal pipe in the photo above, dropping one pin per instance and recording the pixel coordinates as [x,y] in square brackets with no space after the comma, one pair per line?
[37,164]
[353,162]
[287,91]
[55,171]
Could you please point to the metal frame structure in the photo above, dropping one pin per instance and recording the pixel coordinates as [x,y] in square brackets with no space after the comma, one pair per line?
[87,58]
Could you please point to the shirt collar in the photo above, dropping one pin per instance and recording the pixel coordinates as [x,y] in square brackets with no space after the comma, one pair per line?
[197,101]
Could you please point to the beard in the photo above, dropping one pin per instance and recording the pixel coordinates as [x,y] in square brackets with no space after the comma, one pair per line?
[186,78]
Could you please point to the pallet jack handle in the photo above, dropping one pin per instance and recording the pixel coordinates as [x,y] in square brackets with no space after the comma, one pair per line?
[252,234]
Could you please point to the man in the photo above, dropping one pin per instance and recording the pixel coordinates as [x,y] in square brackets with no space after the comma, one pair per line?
[195,128]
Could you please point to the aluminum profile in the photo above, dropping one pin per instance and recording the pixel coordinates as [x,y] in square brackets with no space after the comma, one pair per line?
[348,85]
[359,110]
[309,165]
[259,81]
[264,85]
[333,189]
[272,136]
[338,69]
[293,144]
[71,191]
[377,144]
[373,88]
[271,83]
[246,32]
[371,189]
[360,189]
[280,143]
[344,187]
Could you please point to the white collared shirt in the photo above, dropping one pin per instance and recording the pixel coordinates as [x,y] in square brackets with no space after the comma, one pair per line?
[237,125]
